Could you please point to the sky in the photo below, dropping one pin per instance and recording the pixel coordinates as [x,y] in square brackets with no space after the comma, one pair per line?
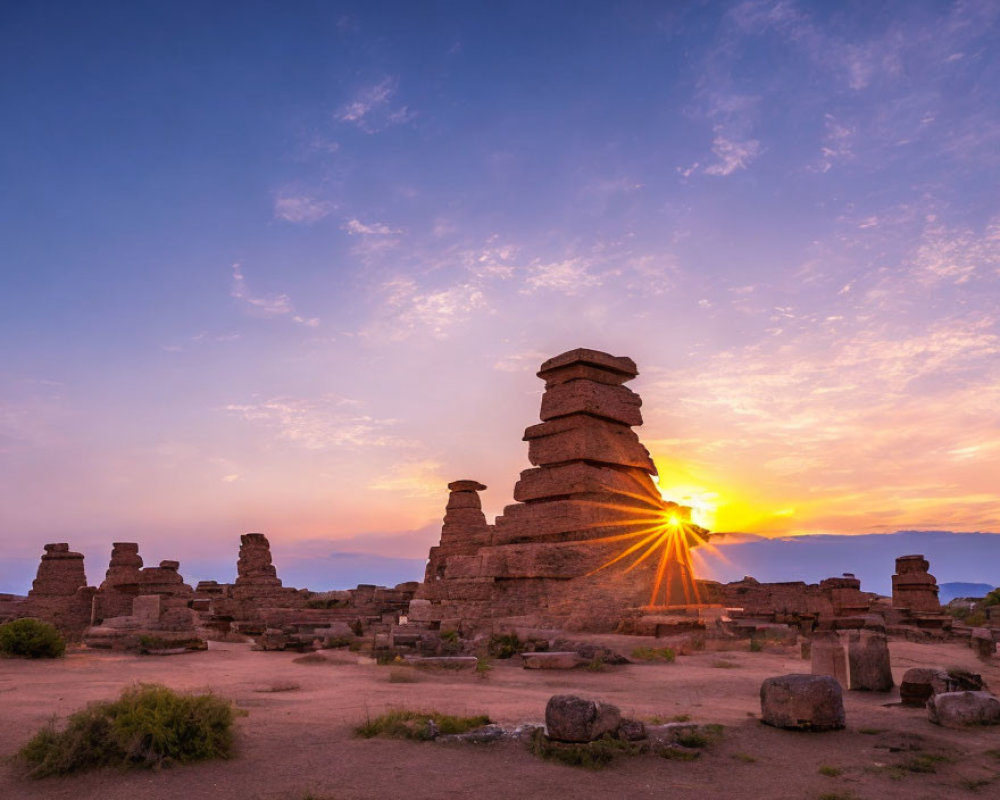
[291,267]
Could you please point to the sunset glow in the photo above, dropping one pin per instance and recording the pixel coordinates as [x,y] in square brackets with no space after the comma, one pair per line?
[294,270]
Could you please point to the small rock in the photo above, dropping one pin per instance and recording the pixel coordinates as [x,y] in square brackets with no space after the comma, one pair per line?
[569,718]
[802,702]
[632,730]
[960,709]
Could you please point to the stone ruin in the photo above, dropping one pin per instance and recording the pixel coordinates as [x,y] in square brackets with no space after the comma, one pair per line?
[139,607]
[832,603]
[588,497]
[59,593]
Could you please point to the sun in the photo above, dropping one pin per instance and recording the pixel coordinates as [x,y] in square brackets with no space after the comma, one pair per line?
[668,535]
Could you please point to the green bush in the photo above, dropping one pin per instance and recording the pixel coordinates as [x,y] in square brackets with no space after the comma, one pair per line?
[420,725]
[31,638]
[147,726]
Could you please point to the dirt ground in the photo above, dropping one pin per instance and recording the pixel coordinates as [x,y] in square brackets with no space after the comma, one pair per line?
[297,744]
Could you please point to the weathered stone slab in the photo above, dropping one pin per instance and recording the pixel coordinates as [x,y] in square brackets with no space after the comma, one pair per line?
[583,438]
[802,702]
[581,478]
[555,367]
[569,718]
[616,403]
[551,660]
[147,608]
[828,656]
[443,662]
[868,662]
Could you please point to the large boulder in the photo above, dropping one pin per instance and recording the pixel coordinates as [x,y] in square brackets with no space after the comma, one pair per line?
[802,702]
[960,709]
[569,718]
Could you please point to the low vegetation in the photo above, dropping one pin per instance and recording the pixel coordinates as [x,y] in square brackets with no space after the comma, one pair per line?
[31,638]
[830,772]
[147,726]
[505,645]
[590,755]
[666,654]
[419,725]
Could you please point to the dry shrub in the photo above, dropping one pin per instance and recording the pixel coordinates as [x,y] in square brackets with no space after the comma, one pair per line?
[147,726]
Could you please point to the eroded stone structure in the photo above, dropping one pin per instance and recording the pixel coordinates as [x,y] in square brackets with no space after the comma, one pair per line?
[138,606]
[914,589]
[549,559]
[833,602]
[59,594]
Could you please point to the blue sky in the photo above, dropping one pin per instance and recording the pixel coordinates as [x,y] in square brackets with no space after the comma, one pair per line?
[291,267]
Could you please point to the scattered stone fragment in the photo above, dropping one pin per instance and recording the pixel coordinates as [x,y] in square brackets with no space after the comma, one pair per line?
[802,702]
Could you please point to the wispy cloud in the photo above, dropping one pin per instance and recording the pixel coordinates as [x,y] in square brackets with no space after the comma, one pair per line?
[373,108]
[265,305]
[408,309]
[957,255]
[319,424]
[357,228]
[300,208]
[272,305]
[732,155]
[570,276]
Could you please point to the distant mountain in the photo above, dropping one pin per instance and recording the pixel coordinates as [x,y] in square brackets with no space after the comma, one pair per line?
[949,591]
[953,557]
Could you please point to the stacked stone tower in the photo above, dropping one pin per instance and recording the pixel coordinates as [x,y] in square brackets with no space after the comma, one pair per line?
[914,589]
[464,530]
[549,559]
[59,593]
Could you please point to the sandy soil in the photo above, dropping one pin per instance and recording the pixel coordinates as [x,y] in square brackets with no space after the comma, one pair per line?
[299,744]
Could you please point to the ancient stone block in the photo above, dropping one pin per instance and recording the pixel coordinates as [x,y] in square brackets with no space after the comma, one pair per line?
[599,367]
[868,662]
[569,718]
[920,683]
[583,478]
[146,608]
[582,438]
[615,403]
[802,702]
[828,656]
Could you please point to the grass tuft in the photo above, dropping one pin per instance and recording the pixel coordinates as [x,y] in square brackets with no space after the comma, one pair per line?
[589,755]
[422,726]
[666,654]
[830,772]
